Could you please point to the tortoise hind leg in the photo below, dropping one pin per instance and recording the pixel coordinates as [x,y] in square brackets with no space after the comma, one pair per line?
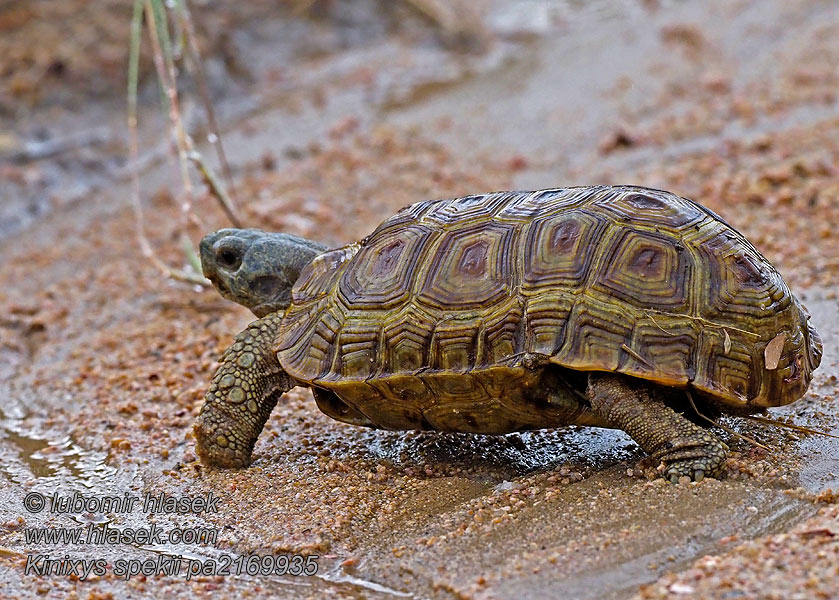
[637,408]
[243,392]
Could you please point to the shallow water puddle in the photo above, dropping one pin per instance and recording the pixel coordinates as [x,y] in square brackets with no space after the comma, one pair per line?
[52,458]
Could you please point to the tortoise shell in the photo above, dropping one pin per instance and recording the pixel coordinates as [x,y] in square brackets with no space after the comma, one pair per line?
[447,316]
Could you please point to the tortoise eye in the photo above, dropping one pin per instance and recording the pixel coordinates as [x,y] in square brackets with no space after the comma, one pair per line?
[229,258]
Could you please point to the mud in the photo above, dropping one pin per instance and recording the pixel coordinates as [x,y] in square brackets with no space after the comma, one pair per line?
[344,116]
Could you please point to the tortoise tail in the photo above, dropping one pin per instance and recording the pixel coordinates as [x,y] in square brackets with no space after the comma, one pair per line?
[243,392]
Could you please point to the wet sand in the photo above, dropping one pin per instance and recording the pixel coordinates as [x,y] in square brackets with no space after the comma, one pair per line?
[103,364]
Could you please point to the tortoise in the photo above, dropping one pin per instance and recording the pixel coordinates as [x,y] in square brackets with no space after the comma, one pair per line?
[607,306]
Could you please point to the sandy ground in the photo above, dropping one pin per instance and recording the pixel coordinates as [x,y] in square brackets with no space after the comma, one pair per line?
[103,363]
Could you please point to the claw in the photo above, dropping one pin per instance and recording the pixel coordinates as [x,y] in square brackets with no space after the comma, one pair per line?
[698,475]
[674,478]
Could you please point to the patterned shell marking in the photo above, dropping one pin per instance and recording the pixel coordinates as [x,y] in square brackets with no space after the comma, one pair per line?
[624,279]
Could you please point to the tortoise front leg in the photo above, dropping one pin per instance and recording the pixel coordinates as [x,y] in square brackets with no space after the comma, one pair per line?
[243,392]
[637,408]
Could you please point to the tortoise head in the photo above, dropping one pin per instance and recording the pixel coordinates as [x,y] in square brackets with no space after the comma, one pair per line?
[256,268]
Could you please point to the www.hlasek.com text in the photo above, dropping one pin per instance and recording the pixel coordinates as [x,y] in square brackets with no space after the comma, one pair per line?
[107,534]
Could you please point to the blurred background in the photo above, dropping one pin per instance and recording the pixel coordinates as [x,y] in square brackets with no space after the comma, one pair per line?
[492,94]
[333,114]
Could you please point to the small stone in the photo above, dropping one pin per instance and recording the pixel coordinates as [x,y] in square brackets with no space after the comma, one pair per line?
[681,588]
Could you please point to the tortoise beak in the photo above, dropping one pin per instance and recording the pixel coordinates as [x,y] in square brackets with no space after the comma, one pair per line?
[205,250]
